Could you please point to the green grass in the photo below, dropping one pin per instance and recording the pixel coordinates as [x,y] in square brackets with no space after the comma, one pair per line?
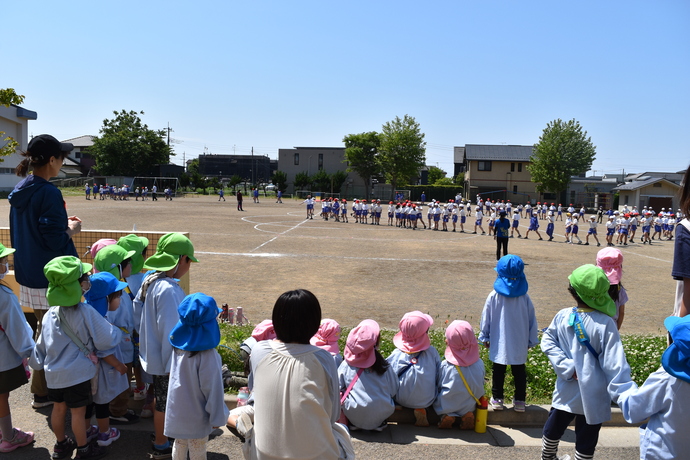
[643,353]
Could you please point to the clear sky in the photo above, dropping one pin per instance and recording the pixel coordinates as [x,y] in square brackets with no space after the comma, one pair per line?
[229,75]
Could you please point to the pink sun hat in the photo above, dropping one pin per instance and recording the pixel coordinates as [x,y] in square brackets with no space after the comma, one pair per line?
[462,349]
[611,261]
[360,345]
[412,337]
[100,244]
[327,336]
[264,331]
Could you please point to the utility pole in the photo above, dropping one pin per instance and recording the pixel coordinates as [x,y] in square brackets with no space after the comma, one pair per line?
[169,130]
[253,168]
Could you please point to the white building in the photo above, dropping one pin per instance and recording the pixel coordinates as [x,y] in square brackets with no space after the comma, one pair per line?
[14,121]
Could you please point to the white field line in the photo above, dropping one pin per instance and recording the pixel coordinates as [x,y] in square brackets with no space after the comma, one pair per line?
[276,237]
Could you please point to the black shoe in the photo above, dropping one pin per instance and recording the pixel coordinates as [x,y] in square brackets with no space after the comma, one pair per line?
[586,244]
[63,449]
[161,453]
[93,451]
[127,419]
[41,401]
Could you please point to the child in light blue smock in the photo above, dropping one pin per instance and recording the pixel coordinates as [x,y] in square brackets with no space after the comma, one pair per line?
[417,364]
[462,356]
[367,382]
[586,352]
[69,366]
[508,329]
[327,338]
[105,296]
[16,345]
[195,394]
[664,399]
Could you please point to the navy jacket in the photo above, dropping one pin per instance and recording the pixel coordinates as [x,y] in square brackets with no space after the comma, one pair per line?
[38,229]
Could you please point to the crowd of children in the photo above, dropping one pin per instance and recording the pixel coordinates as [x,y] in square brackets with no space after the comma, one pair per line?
[123,193]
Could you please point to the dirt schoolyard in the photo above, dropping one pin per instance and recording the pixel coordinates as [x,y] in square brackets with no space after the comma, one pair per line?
[361,271]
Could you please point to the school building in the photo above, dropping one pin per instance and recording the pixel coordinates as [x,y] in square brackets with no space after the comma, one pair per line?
[14,121]
[654,192]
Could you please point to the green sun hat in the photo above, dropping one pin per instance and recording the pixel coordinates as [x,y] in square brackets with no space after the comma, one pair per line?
[4,252]
[63,275]
[137,244]
[170,248]
[592,285]
[109,259]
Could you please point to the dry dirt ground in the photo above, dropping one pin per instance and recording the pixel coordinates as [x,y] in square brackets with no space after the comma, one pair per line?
[363,271]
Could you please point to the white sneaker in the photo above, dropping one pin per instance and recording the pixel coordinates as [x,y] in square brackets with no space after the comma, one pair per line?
[496,404]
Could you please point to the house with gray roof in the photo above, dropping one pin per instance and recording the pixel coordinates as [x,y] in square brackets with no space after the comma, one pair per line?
[654,192]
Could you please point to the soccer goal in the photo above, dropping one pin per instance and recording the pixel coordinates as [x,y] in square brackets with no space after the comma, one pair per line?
[401,195]
[302,193]
[161,184]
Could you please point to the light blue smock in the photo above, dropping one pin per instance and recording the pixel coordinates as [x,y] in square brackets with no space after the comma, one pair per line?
[599,380]
[665,399]
[418,384]
[63,362]
[509,324]
[16,342]
[370,401]
[123,318]
[110,382]
[453,398]
[195,395]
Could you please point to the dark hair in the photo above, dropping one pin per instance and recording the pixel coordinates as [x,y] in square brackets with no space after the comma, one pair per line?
[577,298]
[685,193]
[614,290]
[114,295]
[31,162]
[380,365]
[296,316]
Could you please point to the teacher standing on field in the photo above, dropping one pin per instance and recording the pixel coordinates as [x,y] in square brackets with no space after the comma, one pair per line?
[40,231]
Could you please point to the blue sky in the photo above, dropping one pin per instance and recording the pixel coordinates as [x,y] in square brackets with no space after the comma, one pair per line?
[229,76]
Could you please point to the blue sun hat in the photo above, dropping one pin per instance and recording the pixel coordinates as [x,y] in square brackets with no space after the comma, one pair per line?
[511,281]
[676,358]
[197,329]
[102,285]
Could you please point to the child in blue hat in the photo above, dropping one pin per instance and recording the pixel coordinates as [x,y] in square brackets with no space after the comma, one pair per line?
[105,295]
[195,394]
[664,398]
[508,329]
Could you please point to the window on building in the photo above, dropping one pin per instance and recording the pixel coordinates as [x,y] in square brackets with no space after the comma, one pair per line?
[296,158]
[320,161]
[6,170]
[77,154]
[519,167]
[514,188]
[658,184]
[512,167]
[484,166]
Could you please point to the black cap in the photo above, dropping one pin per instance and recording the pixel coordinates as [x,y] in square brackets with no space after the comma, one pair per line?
[45,146]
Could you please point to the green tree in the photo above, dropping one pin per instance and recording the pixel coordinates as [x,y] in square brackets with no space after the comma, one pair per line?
[193,166]
[302,181]
[563,151]
[362,152]
[8,96]
[128,147]
[322,181]
[402,150]
[435,174]
[444,181]
[337,180]
[233,181]
[279,179]
[459,179]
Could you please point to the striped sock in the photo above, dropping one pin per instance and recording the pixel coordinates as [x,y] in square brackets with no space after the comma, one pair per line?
[549,448]
[579,456]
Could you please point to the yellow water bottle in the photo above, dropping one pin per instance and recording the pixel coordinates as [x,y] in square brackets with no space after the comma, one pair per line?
[481,415]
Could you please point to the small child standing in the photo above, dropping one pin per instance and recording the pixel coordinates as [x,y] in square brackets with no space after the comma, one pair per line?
[587,354]
[664,398]
[16,345]
[508,329]
[105,295]
[327,338]
[71,335]
[367,382]
[416,363]
[462,364]
[611,261]
[195,395]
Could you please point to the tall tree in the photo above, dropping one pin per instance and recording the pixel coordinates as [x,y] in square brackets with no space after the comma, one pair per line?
[402,150]
[8,96]
[279,179]
[563,151]
[302,181]
[321,180]
[128,147]
[337,180]
[361,152]
[435,174]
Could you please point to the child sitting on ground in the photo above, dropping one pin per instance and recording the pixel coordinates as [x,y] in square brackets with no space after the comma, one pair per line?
[416,363]
[508,329]
[195,395]
[105,295]
[327,338]
[586,352]
[462,377]
[367,382]
[16,345]
[664,398]
[71,334]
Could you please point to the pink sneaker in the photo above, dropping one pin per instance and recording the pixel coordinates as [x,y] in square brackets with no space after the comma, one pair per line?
[139,393]
[20,439]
